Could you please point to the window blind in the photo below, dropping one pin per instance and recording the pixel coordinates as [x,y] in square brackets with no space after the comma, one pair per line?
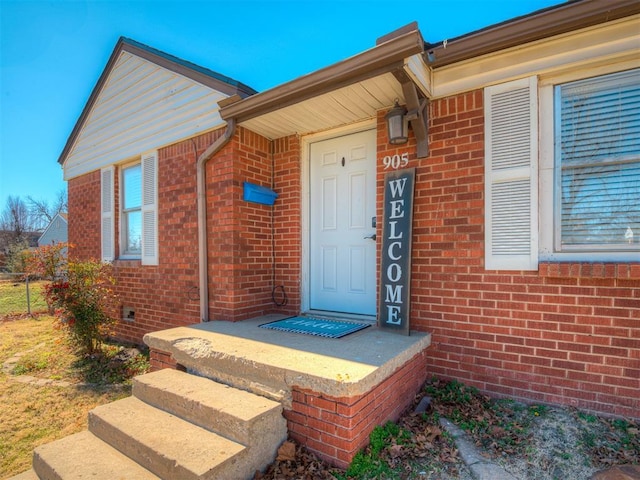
[599,162]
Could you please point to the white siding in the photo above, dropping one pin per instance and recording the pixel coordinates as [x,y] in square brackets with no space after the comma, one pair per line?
[141,106]
[56,232]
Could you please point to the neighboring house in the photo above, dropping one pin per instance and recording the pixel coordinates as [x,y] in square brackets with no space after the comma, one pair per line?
[56,231]
[525,141]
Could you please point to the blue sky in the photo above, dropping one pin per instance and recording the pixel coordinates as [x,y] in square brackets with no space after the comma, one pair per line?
[53,52]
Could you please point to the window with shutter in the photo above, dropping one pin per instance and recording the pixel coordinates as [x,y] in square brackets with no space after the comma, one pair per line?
[597,166]
[107,229]
[511,179]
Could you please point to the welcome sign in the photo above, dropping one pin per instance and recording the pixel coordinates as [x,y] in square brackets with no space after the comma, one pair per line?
[395,278]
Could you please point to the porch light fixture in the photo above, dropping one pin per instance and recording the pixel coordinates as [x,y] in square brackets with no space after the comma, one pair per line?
[397,124]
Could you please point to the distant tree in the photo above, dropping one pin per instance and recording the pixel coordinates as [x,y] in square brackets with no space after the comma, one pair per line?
[16,219]
[42,212]
[17,255]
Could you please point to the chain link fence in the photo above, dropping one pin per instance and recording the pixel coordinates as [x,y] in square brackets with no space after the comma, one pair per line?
[19,295]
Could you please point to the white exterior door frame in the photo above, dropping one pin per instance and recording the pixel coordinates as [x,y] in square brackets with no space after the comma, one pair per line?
[306,199]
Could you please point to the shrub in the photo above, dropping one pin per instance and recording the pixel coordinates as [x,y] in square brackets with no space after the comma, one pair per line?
[84,299]
[81,292]
[48,262]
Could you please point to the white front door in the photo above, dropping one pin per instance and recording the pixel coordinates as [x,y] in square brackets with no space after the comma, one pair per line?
[342,260]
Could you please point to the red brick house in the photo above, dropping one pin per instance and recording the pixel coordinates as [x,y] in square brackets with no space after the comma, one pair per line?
[525,244]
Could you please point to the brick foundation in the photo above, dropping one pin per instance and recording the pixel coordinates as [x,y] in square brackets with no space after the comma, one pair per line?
[337,428]
[160,360]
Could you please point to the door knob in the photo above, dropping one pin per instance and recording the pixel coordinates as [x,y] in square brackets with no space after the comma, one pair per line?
[372,237]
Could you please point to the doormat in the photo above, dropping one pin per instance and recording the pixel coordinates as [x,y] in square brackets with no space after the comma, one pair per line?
[315,326]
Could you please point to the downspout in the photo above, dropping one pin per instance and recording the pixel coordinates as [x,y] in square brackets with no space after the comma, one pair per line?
[203,259]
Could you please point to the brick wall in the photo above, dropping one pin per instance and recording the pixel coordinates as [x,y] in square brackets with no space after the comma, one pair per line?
[337,428]
[243,236]
[567,334]
[165,295]
[288,223]
[84,216]
[159,360]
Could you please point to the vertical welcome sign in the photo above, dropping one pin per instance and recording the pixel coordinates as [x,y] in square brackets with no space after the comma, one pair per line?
[395,274]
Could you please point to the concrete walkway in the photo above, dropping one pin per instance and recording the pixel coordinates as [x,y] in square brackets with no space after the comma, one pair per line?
[481,467]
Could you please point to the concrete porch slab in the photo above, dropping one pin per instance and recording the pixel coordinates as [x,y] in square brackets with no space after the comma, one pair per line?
[270,362]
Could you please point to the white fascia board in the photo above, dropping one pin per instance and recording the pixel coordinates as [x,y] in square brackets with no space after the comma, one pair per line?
[420,73]
[609,42]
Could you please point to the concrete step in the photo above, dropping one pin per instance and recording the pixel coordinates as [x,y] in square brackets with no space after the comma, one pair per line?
[28,475]
[235,414]
[168,446]
[83,456]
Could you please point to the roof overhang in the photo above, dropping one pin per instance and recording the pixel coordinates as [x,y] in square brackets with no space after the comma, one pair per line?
[346,92]
[401,66]
[556,20]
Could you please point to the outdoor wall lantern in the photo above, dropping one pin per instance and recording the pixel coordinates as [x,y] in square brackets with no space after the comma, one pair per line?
[397,124]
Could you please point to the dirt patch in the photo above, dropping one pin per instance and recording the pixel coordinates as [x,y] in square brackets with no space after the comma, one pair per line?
[531,442]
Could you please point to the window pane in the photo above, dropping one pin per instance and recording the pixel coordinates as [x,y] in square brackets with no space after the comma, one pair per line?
[132,178]
[601,205]
[599,162]
[133,223]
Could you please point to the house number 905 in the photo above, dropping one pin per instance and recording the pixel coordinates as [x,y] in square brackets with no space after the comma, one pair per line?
[396,161]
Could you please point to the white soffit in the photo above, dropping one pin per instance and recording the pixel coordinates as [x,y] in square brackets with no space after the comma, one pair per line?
[343,106]
[141,106]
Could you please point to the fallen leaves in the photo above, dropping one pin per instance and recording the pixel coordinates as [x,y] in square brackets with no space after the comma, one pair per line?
[286,452]
[418,448]
[295,462]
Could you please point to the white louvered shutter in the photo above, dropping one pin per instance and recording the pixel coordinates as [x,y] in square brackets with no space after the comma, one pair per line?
[150,208]
[107,229]
[511,176]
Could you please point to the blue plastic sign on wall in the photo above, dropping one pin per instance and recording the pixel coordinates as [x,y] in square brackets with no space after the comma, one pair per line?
[258,194]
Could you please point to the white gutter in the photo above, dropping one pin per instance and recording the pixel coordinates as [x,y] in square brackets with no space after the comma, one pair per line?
[203,261]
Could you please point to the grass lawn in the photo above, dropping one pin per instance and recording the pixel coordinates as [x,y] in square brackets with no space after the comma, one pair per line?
[13,298]
[31,415]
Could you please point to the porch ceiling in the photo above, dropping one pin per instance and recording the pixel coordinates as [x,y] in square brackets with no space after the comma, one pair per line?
[340,94]
[344,106]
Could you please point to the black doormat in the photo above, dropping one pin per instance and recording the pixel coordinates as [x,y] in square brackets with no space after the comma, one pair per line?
[320,327]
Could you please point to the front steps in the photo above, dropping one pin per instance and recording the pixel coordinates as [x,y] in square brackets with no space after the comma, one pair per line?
[176,426]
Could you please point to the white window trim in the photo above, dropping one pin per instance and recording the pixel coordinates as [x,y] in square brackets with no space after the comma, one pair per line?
[149,209]
[547,191]
[121,216]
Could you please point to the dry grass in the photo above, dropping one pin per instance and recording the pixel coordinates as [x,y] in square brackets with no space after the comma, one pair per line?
[13,298]
[32,415]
